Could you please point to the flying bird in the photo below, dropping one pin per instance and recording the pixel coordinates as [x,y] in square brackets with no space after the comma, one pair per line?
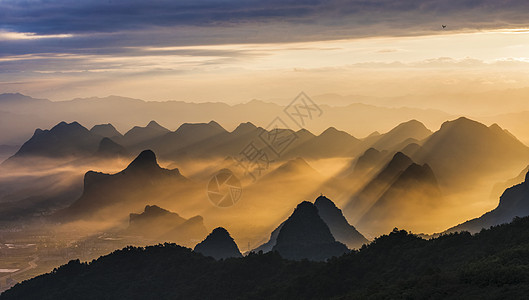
[444,26]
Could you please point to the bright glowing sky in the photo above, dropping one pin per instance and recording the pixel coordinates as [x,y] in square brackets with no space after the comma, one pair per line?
[238,50]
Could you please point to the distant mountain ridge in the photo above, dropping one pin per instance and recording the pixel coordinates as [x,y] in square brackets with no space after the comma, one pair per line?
[92,111]
[197,140]
[142,179]
[464,146]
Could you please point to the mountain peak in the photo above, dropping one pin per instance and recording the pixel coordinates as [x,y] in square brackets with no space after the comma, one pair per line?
[145,160]
[411,124]
[105,130]
[461,122]
[219,245]
[64,125]
[154,125]
[400,159]
[154,210]
[322,200]
[333,132]
[245,128]
[305,235]
[215,124]
[338,224]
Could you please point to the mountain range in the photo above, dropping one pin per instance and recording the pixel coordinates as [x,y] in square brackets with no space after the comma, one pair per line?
[357,119]
[199,140]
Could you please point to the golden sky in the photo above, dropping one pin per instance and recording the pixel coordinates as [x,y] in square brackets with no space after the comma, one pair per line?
[235,51]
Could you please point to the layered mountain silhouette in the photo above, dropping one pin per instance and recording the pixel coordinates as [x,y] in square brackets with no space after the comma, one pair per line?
[139,134]
[368,161]
[106,130]
[395,196]
[340,228]
[514,202]
[358,119]
[463,148]
[304,235]
[330,143]
[109,148]
[362,201]
[219,245]
[161,225]
[140,182]
[332,216]
[63,140]
[411,198]
[403,133]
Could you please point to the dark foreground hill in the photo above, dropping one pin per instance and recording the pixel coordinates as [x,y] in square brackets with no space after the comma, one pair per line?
[492,264]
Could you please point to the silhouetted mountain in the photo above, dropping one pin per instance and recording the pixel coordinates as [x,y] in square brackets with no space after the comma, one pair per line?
[330,143]
[142,181]
[340,228]
[142,134]
[367,163]
[305,235]
[109,148]
[189,140]
[374,189]
[394,197]
[492,264]
[411,198]
[219,245]
[408,130]
[106,130]
[153,216]
[244,128]
[62,141]
[514,202]
[162,225]
[267,247]
[463,148]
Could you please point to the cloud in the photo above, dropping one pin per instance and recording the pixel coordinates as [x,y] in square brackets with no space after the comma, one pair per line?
[338,17]
[116,26]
